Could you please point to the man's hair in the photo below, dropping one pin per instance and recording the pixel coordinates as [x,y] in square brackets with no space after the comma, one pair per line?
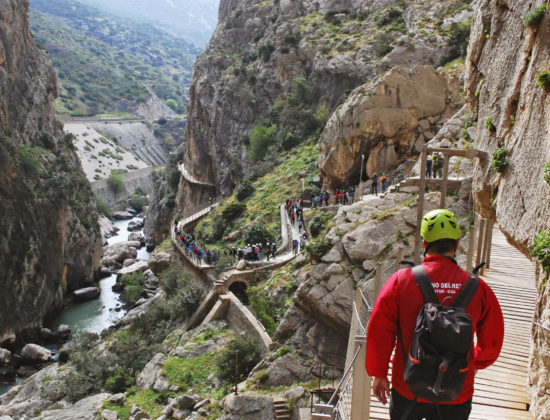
[442,246]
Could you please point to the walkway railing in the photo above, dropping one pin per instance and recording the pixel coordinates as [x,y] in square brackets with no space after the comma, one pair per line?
[190,178]
[394,177]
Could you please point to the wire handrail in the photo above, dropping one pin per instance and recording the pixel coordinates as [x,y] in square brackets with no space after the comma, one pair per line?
[346,373]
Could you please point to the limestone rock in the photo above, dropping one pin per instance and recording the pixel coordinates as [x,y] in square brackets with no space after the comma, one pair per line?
[108,229]
[34,353]
[120,251]
[85,409]
[138,266]
[117,399]
[248,407]
[135,224]
[160,261]
[138,311]
[122,215]
[375,118]
[88,293]
[137,237]
[109,415]
[5,356]
[151,372]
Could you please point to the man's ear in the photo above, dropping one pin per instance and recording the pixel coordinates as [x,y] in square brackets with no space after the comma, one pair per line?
[424,244]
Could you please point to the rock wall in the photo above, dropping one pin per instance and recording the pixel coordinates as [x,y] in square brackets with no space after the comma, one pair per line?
[260,48]
[387,121]
[132,181]
[504,59]
[49,234]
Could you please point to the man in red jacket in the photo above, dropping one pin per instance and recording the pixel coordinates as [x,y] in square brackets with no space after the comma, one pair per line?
[399,303]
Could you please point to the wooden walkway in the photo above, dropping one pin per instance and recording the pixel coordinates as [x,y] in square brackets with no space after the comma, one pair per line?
[501,389]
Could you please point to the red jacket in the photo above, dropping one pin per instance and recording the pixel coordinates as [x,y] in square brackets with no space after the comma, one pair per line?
[401,300]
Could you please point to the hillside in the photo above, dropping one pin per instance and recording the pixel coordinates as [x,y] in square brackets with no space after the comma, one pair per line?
[105,63]
[193,20]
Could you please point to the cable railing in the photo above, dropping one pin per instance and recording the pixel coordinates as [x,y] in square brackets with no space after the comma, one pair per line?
[394,177]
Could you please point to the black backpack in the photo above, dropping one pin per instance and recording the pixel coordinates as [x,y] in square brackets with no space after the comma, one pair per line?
[436,365]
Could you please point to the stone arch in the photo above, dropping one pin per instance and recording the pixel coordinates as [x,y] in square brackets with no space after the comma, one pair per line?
[238,288]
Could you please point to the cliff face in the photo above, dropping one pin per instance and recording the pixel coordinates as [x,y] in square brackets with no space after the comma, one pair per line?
[504,59]
[49,235]
[261,48]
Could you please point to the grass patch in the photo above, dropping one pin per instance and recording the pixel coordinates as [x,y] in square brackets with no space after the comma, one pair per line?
[534,16]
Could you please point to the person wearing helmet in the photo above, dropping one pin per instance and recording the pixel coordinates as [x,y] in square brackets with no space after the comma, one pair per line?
[394,319]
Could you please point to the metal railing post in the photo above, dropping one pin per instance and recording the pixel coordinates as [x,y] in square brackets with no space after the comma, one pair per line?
[471,244]
[479,253]
[487,247]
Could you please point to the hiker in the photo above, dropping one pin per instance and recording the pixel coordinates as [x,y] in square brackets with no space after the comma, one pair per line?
[435,164]
[268,250]
[326,196]
[437,394]
[273,250]
[429,165]
[302,244]
[384,182]
[292,217]
[374,184]
[439,167]
[295,246]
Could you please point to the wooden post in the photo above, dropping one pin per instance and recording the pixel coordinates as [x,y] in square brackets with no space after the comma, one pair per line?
[420,213]
[471,242]
[479,253]
[488,240]
[444,181]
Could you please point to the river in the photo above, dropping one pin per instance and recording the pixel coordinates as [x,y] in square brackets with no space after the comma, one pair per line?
[98,314]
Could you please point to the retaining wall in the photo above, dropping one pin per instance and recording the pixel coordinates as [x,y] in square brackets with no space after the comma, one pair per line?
[132,181]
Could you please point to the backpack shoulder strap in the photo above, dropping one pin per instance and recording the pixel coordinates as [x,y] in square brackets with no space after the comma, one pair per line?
[467,292]
[423,281]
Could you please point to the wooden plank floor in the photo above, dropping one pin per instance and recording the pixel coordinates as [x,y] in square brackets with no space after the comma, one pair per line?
[501,389]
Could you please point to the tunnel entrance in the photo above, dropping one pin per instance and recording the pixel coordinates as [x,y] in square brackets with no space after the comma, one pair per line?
[238,288]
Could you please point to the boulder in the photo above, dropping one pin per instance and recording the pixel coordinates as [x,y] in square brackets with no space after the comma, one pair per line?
[5,356]
[63,331]
[119,252]
[117,399]
[140,265]
[137,237]
[108,229]
[160,261]
[33,353]
[85,294]
[117,287]
[128,262]
[85,409]
[46,334]
[122,215]
[248,407]
[109,415]
[151,372]
[136,224]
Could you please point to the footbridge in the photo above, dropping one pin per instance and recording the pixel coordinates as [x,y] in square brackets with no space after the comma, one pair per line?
[500,390]
[191,179]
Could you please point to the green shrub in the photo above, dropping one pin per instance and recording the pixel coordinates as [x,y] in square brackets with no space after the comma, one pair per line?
[173,104]
[29,159]
[316,249]
[232,211]
[119,381]
[499,161]
[262,308]
[116,183]
[133,288]
[266,50]
[257,233]
[103,208]
[547,173]
[540,249]
[534,16]
[457,44]
[382,44]
[392,16]
[47,140]
[290,141]
[543,79]
[248,357]
[489,124]
[261,137]
[244,190]
[137,203]
[316,225]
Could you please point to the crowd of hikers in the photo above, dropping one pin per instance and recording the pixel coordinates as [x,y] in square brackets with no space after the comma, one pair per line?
[193,249]
[341,196]
[385,181]
[295,211]
[434,165]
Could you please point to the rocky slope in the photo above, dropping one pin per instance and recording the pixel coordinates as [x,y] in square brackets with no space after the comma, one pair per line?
[504,59]
[292,62]
[49,234]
